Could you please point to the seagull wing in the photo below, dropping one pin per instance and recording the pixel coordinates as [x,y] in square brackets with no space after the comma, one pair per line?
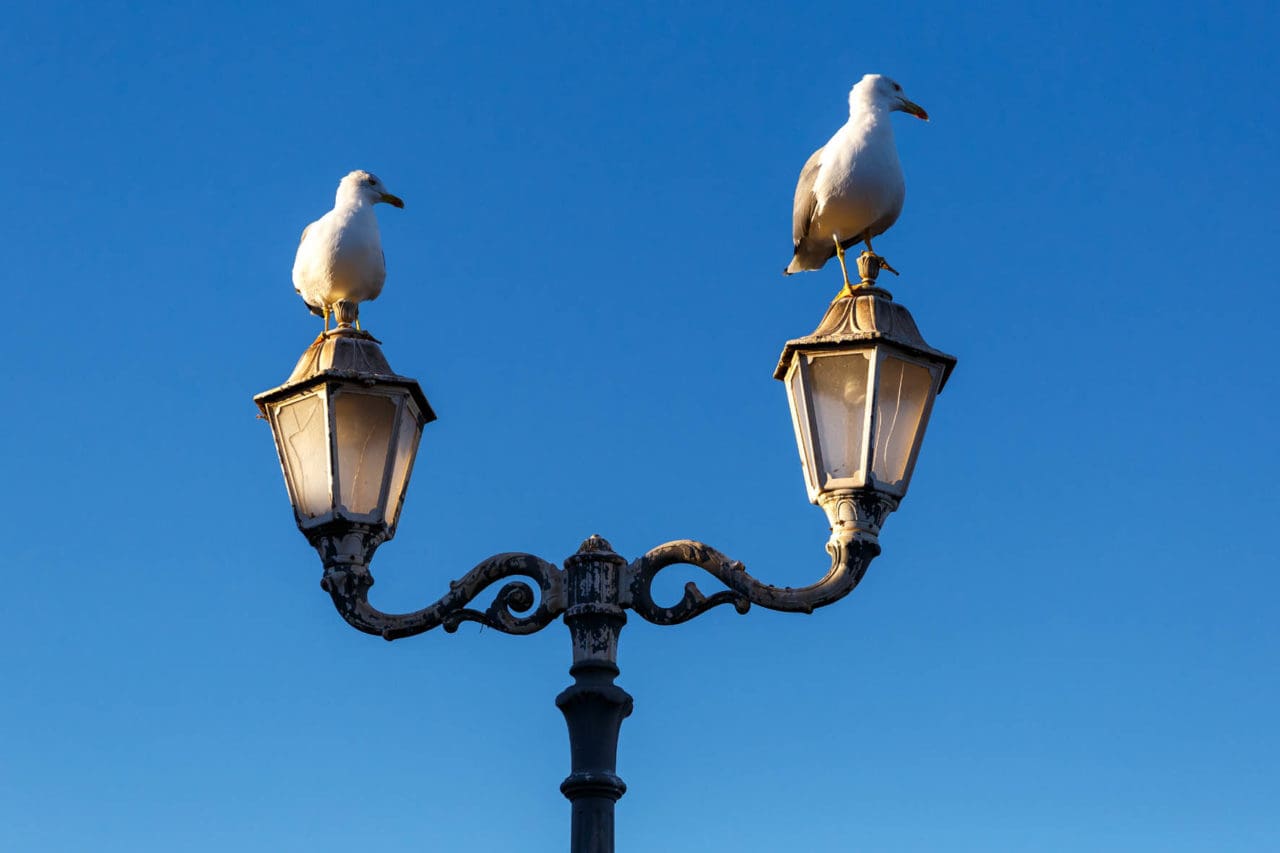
[312,308]
[807,256]
[806,202]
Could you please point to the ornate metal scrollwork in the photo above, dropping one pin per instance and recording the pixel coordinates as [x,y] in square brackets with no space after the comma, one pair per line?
[348,584]
[850,555]
[347,580]
[685,551]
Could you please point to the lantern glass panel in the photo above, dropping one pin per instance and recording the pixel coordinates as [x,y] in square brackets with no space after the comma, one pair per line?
[799,416]
[902,400]
[304,448]
[362,424]
[838,388]
[406,449]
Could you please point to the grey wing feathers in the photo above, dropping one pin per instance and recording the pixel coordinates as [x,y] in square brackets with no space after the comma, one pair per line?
[313,309]
[806,202]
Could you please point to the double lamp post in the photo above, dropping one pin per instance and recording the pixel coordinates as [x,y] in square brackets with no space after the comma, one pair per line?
[347,428]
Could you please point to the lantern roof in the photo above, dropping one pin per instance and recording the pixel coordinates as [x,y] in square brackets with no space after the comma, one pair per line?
[349,354]
[866,315]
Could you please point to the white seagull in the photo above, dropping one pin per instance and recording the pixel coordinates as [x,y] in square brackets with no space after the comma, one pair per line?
[340,255]
[851,189]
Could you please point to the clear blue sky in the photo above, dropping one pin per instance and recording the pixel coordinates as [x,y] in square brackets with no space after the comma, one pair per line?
[1070,642]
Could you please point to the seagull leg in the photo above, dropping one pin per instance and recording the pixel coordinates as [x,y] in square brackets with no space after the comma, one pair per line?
[847,290]
[324,312]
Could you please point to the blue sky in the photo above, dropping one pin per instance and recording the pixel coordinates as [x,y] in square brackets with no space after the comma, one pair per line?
[1070,641]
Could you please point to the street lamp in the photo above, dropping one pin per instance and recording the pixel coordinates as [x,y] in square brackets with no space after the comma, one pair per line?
[346,427]
[861,389]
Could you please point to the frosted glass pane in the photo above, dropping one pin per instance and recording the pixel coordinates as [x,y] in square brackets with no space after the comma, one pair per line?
[900,403]
[402,468]
[305,449]
[838,387]
[796,387]
[363,425]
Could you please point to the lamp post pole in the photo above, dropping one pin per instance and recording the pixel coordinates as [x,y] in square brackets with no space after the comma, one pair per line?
[347,427]
[593,706]
[592,594]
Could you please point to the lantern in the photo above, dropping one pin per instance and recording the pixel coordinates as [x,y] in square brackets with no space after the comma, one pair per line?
[861,388]
[346,428]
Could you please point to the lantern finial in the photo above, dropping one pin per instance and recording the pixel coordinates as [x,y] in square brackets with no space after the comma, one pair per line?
[869,266]
[346,313]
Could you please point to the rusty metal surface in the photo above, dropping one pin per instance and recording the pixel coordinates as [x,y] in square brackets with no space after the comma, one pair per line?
[348,354]
[863,318]
[347,580]
[593,706]
[851,553]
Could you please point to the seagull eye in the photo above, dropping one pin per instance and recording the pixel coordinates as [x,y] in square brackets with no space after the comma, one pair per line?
[370,181]
[897,88]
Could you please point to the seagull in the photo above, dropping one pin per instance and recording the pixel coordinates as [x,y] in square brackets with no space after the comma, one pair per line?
[851,189]
[340,255]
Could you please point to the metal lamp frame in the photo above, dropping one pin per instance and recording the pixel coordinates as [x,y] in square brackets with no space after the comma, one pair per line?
[596,587]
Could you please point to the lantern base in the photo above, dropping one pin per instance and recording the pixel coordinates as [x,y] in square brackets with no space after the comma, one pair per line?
[857,513]
[343,545]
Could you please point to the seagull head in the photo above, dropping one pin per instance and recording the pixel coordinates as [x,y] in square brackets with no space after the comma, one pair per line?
[878,91]
[366,187]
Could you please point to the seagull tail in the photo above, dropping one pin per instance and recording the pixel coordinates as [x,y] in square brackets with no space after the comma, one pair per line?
[809,257]
[795,266]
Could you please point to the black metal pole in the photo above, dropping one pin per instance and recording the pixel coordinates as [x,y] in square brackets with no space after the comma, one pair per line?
[593,706]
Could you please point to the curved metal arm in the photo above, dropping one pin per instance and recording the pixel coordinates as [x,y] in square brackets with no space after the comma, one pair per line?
[850,552]
[856,517]
[348,584]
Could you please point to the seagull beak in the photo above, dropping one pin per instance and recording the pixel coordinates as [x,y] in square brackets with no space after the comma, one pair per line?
[914,109]
[393,200]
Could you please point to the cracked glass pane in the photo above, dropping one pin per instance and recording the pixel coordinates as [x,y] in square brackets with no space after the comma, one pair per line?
[839,393]
[406,450]
[305,448]
[900,402]
[799,414]
[363,425]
